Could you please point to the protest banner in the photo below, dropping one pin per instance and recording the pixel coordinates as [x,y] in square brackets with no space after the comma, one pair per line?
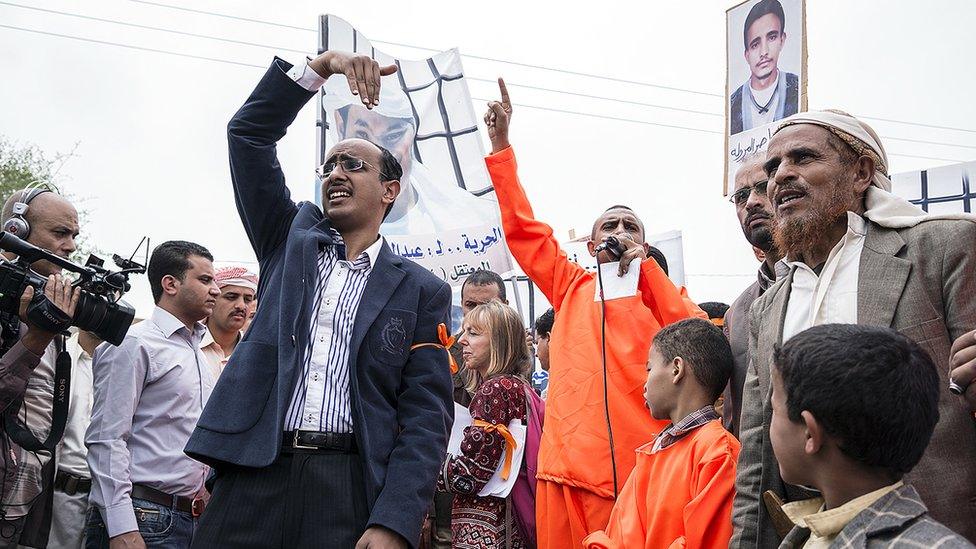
[942,190]
[446,217]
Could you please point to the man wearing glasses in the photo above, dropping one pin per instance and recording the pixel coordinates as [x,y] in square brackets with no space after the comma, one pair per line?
[755,216]
[330,422]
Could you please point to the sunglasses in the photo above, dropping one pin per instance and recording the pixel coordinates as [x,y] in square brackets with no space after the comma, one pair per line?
[742,195]
[348,164]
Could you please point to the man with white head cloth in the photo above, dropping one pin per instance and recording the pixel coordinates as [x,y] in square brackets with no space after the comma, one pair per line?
[225,326]
[857,255]
[426,205]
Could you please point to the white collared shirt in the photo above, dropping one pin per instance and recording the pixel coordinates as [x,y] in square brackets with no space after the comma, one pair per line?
[321,400]
[830,297]
[72,452]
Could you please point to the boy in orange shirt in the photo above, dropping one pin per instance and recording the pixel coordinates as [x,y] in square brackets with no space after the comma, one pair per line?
[680,492]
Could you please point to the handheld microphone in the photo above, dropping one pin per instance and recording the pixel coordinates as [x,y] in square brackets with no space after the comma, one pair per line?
[612,246]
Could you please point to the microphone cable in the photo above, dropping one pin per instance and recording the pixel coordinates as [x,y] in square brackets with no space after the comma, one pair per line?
[606,401]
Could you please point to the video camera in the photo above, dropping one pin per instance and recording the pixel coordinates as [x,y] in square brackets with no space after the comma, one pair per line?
[100,309]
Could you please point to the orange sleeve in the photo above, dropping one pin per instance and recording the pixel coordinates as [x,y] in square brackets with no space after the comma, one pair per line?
[625,527]
[708,516]
[599,540]
[530,241]
[667,303]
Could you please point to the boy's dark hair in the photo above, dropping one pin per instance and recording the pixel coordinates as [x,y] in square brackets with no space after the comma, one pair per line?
[703,346]
[764,7]
[484,277]
[543,324]
[171,258]
[873,389]
[714,309]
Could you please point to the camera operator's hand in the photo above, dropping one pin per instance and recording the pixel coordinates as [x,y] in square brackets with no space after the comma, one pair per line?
[632,251]
[128,540]
[362,73]
[57,291]
[497,119]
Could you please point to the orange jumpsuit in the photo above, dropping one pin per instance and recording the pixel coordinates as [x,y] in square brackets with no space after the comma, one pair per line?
[575,489]
[679,497]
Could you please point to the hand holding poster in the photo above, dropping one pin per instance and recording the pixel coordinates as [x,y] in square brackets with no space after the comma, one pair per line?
[445,217]
[766,75]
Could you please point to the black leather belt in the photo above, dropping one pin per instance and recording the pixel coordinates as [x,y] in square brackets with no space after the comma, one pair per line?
[71,484]
[319,442]
[194,506]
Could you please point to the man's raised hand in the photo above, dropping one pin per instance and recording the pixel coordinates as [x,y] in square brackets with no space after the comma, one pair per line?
[631,251]
[497,119]
[362,73]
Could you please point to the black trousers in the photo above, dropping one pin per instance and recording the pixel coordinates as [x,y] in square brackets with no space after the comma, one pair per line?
[300,500]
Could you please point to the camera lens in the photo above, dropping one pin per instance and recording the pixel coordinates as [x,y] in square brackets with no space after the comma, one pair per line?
[109,321]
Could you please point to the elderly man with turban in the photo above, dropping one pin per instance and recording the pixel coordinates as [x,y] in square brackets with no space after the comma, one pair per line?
[238,287]
[858,255]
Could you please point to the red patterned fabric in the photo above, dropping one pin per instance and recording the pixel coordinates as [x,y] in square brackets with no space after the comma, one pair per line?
[479,522]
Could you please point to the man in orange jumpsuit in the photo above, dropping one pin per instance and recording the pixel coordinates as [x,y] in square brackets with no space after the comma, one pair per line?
[578,474]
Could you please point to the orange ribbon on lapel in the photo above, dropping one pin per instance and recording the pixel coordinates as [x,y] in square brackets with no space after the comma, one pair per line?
[446,341]
[509,442]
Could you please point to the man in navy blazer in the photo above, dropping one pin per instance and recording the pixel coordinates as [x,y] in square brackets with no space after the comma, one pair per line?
[326,429]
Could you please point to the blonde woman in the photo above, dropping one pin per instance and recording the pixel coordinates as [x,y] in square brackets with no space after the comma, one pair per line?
[497,359]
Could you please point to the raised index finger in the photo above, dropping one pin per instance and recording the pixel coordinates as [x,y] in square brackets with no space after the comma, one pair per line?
[506,101]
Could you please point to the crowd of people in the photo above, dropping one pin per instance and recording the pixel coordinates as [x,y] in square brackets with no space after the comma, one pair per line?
[831,405]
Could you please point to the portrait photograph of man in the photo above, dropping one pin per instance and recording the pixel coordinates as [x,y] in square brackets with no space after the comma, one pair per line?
[765,39]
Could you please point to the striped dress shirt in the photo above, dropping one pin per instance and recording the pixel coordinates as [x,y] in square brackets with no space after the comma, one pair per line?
[320,401]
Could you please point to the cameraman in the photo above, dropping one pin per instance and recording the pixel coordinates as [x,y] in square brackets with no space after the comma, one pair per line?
[27,370]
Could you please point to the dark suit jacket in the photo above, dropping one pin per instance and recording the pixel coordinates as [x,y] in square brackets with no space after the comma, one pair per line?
[736,328]
[898,519]
[919,281]
[401,400]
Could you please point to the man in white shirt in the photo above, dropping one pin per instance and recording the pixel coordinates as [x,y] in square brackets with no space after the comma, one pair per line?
[72,483]
[225,326]
[149,394]
[857,255]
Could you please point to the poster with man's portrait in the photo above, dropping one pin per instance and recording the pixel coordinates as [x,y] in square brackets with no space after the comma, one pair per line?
[446,217]
[766,74]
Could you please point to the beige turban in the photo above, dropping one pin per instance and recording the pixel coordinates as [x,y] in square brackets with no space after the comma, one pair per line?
[882,207]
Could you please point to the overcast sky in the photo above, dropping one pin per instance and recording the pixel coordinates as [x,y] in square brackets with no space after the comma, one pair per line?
[150,127]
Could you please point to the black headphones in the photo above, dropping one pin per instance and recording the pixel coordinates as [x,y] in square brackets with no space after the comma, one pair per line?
[17,225]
